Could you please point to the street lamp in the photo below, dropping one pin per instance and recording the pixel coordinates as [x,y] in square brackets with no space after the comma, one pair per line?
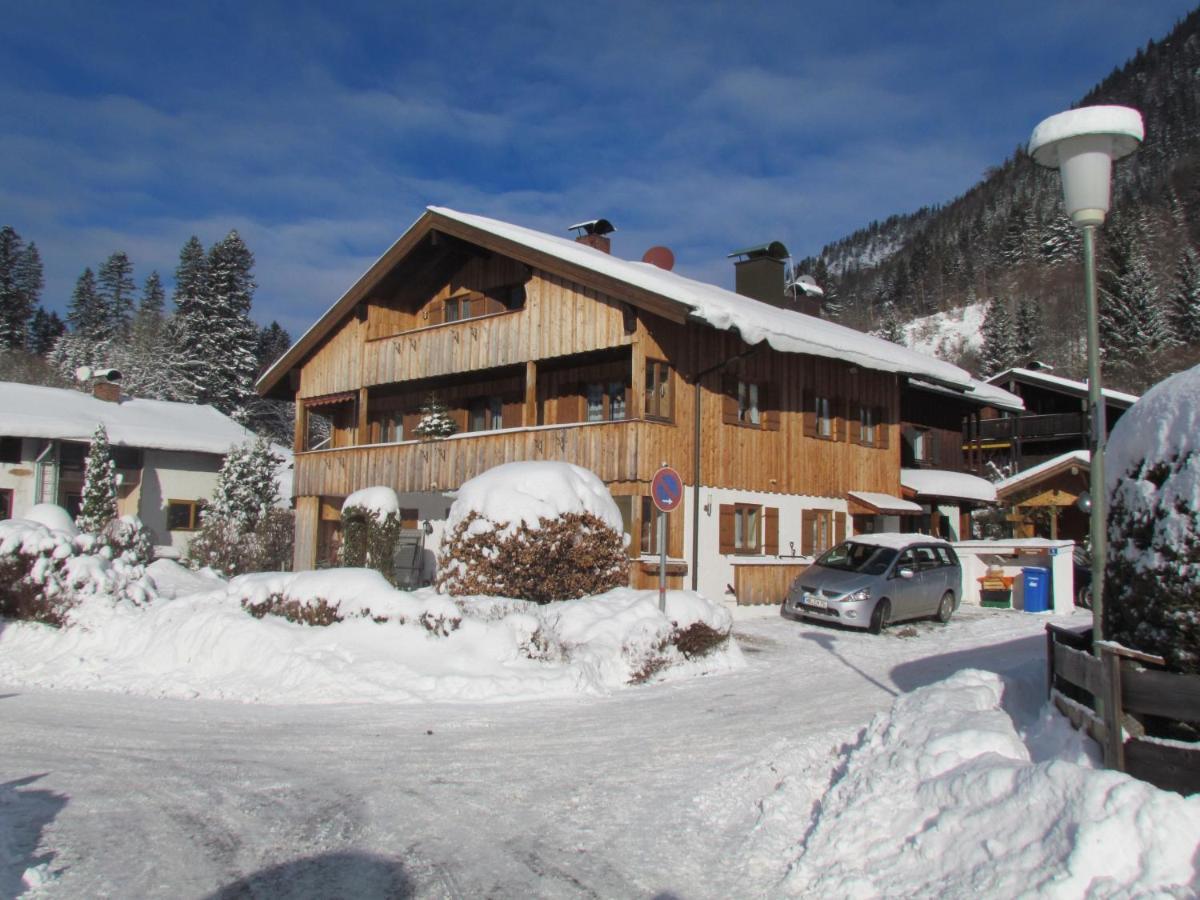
[1082,144]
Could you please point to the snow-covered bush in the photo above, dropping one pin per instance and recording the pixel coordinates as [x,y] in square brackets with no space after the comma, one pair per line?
[538,531]
[1152,579]
[435,419]
[242,530]
[370,528]
[46,572]
[130,540]
[99,504]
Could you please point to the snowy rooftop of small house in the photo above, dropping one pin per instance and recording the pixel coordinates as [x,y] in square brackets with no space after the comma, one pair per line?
[44,412]
[784,330]
[885,503]
[981,392]
[940,483]
[1076,457]
[1078,388]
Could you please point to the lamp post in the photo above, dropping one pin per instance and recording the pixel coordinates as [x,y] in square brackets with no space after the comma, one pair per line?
[1082,144]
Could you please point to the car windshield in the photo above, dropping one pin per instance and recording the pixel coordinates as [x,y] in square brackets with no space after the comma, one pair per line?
[854,557]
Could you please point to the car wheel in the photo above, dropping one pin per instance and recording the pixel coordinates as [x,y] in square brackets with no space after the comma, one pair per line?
[946,607]
[1083,597]
[880,616]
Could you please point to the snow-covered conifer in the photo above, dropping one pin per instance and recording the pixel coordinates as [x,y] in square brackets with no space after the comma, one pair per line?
[1027,335]
[189,321]
[891,328]
[115,288]
[999,341]
[1185,297]
[246,487]
[1134,329]
[99,504]
[145,361]
[20,285]
[45,328]
[435,419]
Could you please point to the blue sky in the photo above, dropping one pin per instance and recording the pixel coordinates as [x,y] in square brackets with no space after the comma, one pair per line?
[320,132]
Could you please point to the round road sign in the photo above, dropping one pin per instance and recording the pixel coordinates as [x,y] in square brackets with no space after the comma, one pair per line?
[666,489]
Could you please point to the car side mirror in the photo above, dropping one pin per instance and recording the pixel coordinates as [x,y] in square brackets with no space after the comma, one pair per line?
[905,573]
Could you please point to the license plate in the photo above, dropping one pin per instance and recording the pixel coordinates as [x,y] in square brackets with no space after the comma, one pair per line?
[815,601]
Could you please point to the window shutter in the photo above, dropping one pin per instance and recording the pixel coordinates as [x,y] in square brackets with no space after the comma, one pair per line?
[770,411]
[514,411]
[808,521]
[771,539]
[839,527]
[435,313]
[810,415]
[729,402]
[581,392]
[855,425]
[934,442]
[883,429]
[725,520]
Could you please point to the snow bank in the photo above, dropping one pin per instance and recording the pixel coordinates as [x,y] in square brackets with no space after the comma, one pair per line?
[525,492]
[207,645]
[379,501]
[53,517]
[941,797]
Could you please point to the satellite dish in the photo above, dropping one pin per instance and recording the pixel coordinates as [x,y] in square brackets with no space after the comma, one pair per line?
[661,257]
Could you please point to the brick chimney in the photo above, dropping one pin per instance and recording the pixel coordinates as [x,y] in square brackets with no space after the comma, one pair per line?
[106,385]
[595,233]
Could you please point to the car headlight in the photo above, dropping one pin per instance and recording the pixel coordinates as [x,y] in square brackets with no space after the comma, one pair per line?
[864,594]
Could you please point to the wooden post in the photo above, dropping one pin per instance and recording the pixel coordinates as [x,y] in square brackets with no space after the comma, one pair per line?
[1114,747]
[530,416]
[304,551]
[1049,661]
[363,435]
[301,438]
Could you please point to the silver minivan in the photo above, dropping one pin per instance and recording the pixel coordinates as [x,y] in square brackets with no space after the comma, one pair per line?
[872,580]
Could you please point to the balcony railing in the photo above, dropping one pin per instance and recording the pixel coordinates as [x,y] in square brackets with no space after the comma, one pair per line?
[1046,427]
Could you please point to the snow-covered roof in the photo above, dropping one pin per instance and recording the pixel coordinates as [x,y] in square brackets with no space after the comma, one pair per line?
[784,330]
[1081,458]
[981,392]
[942,483]
[30,410]
[885,503]
[1078,388]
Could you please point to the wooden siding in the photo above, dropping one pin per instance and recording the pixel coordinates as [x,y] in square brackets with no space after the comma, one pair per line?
[337,364]
[762,584]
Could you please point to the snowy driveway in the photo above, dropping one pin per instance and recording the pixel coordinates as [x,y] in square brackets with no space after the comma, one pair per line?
[649,792]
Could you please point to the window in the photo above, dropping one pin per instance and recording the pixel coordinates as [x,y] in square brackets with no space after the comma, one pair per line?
[818,416]
[485,413]
[71,456]
[867,422]
[746,528]
[457,308]
[10,450]
[625,506]
[821,529]
[605,401]
[183,515]
[129,458]
[649,541]
[388,427]
[747,397]
[749,529]
[920,444]
[6,504]
[506,297]
[72,503]
[658,390]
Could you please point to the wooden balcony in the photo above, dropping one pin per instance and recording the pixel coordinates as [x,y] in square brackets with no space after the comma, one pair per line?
[1047,427]
[628,450]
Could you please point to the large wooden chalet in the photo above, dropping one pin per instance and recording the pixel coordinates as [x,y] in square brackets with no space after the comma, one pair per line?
[547,348]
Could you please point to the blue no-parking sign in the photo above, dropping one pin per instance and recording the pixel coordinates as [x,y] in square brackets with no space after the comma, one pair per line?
[666,489]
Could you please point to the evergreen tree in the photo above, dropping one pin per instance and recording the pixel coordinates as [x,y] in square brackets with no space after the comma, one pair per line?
[273,342]
[189,322]
[246,487]
[146,365]
[45,328]
[99,506]
[20,286]
[233,336]
[1185,298]
[435,419]
[891,328]
[115,288]
[1028,331]
[1134,330]
[85,343]
[999,341]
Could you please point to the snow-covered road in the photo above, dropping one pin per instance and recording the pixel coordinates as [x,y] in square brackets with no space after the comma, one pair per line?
[650,792]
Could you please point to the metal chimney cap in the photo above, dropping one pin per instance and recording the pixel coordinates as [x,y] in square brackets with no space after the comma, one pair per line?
[593,226]
[775,250]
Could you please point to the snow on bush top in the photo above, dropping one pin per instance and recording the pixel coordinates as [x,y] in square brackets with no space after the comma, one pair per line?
[53,517]
[379,501]
[524,492]
[1162,427]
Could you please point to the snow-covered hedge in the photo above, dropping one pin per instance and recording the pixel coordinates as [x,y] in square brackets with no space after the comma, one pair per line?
[370,529]
[1152,581]
[537,531]
[45,572]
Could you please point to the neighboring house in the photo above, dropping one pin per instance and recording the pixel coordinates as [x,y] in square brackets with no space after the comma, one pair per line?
[784,427]
[1056,420]
[1043,500]
[167,454]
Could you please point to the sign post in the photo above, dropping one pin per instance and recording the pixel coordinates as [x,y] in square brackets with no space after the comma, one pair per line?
[666,490]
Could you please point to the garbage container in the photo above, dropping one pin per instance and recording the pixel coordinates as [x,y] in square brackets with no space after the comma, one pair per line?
[1036,584]
[995,588]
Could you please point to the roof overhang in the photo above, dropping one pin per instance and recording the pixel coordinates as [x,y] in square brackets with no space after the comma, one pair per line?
[872,503]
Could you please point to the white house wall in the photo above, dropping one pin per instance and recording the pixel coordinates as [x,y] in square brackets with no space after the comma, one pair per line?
[20,478]
[174,475]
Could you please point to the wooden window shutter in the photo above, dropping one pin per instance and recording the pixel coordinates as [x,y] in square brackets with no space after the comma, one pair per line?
[933,440]
[883,430]
[771,538]
[855,434]
[729,400]
[810,414]
[514,412]
[580,414]
[435,313]
[808,523]
[770,409]
[725,520]
[839,527]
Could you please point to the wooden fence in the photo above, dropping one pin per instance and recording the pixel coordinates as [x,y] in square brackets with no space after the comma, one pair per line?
[1126,693]
[762,584]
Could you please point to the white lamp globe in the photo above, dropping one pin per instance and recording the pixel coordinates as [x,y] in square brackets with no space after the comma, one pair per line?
[1083,143]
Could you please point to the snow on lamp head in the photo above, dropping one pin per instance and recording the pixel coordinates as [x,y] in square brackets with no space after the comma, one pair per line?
[1082,144]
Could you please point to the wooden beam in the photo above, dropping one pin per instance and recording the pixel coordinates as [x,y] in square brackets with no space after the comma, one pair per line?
[363,435]
[531,392]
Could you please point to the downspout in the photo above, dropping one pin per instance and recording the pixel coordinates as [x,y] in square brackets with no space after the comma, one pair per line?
[696,379]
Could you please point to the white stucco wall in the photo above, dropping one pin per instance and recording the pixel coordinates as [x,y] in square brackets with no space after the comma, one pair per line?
[19,478]
[173,475]
[1017,554]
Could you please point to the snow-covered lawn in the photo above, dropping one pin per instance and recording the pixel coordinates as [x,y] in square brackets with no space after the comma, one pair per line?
[765,780]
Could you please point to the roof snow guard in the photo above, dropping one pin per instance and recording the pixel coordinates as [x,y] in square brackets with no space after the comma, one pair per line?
[643,285]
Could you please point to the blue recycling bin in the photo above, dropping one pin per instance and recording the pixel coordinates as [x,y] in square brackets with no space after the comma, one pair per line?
[1036,584]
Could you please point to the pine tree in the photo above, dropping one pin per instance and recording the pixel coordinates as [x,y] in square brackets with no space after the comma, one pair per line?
[435,419]
[20,286]
[1185,298]
[246,487]
[146,362]
[115,288]
[273,342]
[999,342]
[99,506]
[84,344]
[1134,330]
[1028,331]
[189,321]
[891,328]
[45,328]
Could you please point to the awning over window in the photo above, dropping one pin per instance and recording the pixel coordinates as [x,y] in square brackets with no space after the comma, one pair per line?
[870,503]
[331,399]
